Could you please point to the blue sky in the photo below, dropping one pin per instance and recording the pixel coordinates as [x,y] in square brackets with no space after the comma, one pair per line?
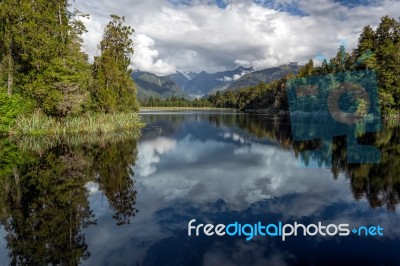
[291,7]
[216,35]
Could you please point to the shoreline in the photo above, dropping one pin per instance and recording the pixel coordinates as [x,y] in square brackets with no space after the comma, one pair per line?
[38,124]
[147,109]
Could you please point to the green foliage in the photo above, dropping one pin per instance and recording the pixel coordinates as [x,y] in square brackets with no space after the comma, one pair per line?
[388,58]
[365,51]
[62,88]
[269,97]
[41,56]
[175,102]
[42,63]
[10,158]
[10,108]
[306,70]
[114,89]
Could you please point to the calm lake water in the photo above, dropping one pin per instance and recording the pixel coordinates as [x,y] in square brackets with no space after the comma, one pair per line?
[122,200]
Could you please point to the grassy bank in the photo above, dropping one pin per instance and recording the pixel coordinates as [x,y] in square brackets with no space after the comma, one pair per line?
[40,124]
[144,109]
[41,143]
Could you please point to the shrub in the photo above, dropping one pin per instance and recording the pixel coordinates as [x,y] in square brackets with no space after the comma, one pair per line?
[10,108]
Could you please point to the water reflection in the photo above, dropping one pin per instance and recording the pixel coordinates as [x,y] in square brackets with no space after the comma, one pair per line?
[44,199]
[379,183]
[71,201]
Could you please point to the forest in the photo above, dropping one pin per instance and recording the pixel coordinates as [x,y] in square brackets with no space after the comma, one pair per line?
[47,84]
[175,101]
[46,79]
[377,50]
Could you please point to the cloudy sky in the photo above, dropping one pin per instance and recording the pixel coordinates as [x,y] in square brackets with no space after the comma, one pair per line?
[217,35]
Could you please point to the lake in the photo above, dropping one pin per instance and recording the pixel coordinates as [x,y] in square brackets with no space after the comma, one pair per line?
[123,200]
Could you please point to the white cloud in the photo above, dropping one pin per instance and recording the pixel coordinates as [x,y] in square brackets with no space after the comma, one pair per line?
[198,178]
[238,76]
[92,187]
[243,63]
[234,77]
[92,37]
[150,153]
[227,78]
[201,36]
[146,57]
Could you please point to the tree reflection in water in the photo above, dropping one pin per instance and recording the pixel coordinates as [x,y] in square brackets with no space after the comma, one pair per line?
[378,183]
[44,203]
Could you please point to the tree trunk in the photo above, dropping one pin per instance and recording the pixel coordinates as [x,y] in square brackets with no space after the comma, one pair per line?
[60,21]
[59,14]
[10,74]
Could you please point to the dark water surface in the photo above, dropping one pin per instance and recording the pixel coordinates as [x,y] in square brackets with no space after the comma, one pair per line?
[127,201]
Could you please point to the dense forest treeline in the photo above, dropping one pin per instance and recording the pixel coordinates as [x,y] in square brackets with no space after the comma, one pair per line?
[377,50]
[42,66]
[175,101]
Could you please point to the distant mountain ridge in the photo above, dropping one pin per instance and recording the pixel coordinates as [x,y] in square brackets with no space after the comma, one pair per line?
[180,79]
[196,85]
[150,85]
[205,83]
[265,75]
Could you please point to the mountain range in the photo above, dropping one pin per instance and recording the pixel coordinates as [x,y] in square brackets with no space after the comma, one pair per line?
[195,85]
[150,85]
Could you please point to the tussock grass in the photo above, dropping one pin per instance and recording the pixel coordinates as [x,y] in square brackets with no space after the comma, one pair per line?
[41,143]
[40,124]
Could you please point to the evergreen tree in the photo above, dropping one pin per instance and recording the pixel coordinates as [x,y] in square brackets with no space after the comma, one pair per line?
[340,62]
[114,89]
[8,29]
[307,69]
[40,55]
[388,57]
[365,51]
